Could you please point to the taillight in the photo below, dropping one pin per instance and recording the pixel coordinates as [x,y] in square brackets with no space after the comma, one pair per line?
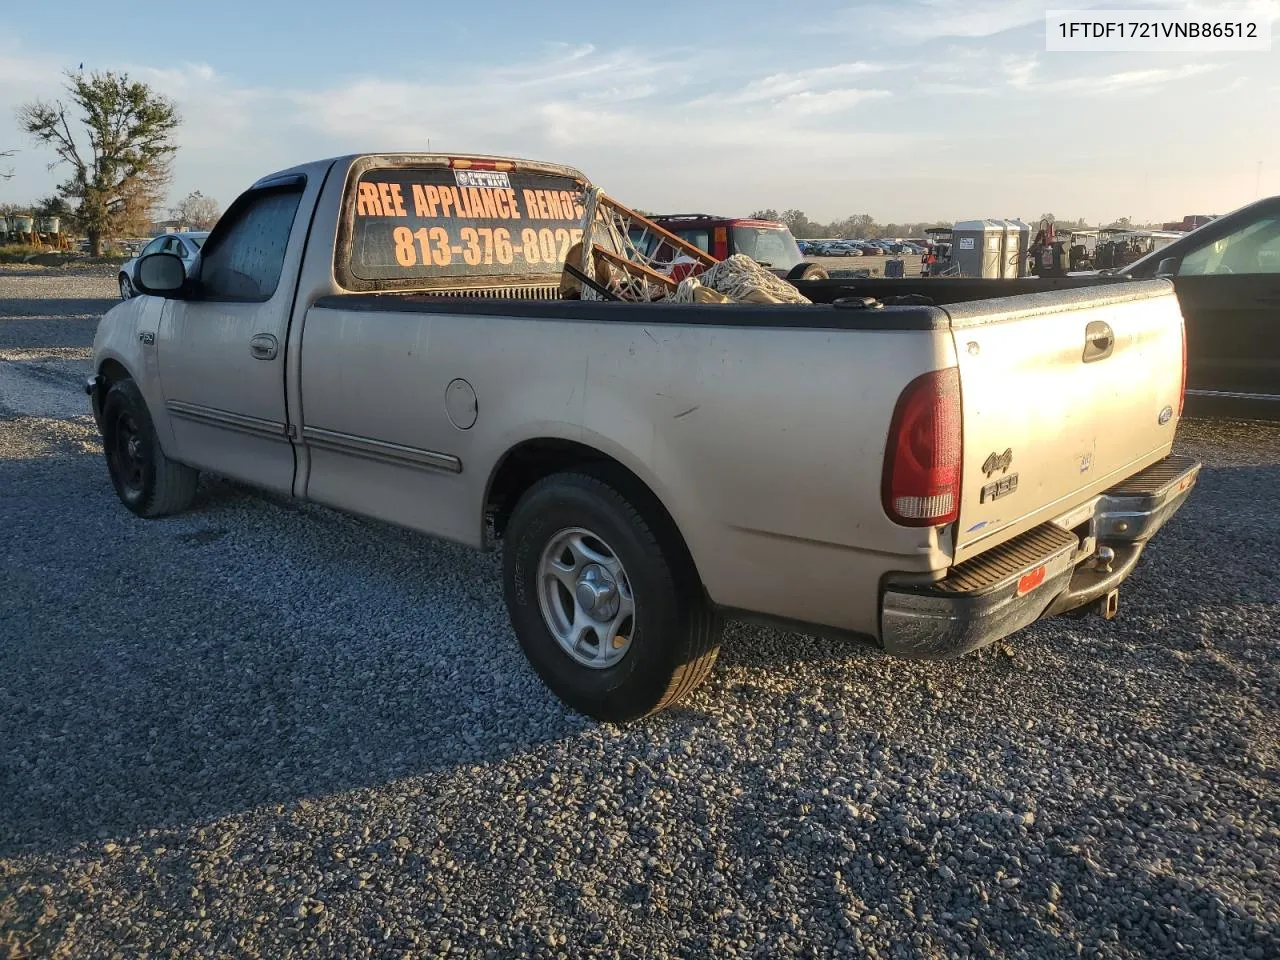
[1182,387]
[469,163]
[921,486]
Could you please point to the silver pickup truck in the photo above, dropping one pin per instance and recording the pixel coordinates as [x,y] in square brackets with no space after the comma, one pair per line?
[387,334]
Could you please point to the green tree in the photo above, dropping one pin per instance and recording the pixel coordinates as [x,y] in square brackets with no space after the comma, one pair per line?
[799,224]
[119,159]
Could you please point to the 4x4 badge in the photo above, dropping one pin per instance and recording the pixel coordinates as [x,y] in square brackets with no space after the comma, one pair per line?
[998,461]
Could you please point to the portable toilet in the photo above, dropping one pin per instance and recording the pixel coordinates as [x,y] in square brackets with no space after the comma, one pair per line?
[23,226]
[977,247]
[1008,250]
[1024,245]
[1017,245]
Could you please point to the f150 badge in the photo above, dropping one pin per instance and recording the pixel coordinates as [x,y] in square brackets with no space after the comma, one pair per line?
[998,463]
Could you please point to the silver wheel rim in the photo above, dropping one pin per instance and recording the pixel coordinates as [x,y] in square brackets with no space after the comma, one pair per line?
[586,599]
[126,288]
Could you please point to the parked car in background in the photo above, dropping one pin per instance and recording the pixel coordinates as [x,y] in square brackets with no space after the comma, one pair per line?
[843,248]
[185,245]
[1227,277]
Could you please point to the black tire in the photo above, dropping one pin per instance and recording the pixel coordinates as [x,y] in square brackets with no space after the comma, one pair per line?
[675,635]
[146,481]
[808,271]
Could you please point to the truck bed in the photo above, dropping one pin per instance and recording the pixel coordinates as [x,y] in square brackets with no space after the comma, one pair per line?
[941,291]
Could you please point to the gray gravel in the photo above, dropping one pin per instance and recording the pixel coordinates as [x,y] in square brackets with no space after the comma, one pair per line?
[267,729]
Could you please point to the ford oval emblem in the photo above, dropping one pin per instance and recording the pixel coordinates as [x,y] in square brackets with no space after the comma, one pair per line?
[1165,415]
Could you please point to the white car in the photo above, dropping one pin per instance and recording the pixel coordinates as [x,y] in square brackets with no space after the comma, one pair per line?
[185,245]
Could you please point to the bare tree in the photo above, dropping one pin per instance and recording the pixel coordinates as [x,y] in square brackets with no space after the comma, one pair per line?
[120,159]
[197,211]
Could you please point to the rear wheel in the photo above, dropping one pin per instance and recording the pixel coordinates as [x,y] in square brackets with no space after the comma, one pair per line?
[147,482]
[606,606]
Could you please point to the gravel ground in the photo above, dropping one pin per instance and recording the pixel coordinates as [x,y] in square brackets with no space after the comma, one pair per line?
[267,729]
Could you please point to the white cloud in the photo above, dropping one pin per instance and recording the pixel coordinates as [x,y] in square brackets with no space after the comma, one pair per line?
[919,21]
[623,115]
[781,84]
[902,137]
[810,103]
[1019,71]
[1149,79]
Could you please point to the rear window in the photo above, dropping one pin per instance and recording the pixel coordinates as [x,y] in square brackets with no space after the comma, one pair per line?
[437,223]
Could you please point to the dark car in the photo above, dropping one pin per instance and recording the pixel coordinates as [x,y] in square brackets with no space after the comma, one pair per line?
[1227,277]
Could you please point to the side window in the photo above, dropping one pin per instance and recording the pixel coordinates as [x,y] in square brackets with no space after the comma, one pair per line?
[1251,249]
[699,238]
[154,246]
[245,254]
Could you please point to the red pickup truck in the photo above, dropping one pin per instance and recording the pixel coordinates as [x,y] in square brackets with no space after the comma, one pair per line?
[768,242]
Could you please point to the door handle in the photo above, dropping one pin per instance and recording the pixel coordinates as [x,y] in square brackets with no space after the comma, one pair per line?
[1099,340]
[264,347]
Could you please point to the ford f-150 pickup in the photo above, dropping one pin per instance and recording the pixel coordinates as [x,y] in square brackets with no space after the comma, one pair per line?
[387,335]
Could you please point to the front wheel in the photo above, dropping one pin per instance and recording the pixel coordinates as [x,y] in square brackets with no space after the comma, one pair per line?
[806,270]
[147,482]
[605,603]
[126,287]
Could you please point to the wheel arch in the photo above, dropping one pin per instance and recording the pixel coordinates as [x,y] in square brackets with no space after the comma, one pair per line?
[111,370]
[532,460]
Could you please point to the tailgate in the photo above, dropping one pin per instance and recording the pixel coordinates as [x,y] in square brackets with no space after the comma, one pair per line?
[1064,394]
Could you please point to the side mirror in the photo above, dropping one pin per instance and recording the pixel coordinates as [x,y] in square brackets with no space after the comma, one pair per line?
[160,274]
[1168,267]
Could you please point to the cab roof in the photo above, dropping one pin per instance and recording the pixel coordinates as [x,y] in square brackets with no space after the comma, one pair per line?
[459,160]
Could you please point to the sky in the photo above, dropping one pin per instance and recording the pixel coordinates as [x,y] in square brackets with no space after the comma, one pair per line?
[904,109]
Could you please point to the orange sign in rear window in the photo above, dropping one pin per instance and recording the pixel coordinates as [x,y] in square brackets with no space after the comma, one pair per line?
[438,222]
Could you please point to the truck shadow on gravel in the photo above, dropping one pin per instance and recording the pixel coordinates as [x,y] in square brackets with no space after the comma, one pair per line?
[164,674]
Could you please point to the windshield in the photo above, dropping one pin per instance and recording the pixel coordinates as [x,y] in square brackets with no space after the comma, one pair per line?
[770,246]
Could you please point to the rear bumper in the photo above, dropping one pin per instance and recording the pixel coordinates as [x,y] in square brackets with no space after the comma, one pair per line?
[1052,569]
